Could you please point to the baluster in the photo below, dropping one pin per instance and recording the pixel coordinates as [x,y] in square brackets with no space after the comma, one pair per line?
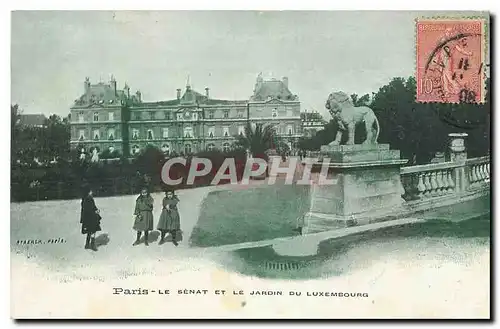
[488,170]
[451,181]
[478,176]
[439,183]
[483,171]
[473,176]
[427,183]
[442,181]
[434,184]
[421,185]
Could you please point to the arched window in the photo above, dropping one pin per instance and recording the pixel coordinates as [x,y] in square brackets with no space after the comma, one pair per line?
[210,147]
[226,147]
[165,148]
[187,148]
[211,132]
[274,113]
[241,130]
[111,134]
[135,149]
[188,132]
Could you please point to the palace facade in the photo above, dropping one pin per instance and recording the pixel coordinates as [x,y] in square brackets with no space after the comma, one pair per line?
[312,122]
[107,118]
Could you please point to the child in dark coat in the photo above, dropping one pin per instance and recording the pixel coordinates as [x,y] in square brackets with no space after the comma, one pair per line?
[169,219]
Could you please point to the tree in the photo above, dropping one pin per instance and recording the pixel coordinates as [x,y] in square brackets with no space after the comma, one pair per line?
[258,140]
[360,101]
[15,114]
[419,130]
[57,137]
[149,164]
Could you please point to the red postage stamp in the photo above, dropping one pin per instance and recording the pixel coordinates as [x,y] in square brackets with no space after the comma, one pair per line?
[450,60]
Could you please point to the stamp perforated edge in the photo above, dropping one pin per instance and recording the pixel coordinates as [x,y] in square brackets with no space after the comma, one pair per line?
[485,16]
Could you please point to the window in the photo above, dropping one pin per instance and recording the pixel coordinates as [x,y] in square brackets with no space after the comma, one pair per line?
[210,147]
[165,148]
[241,130]
[168,115]
[81,118]
[211,131]
[111,116]
[226,131]
[226,147]
[179,116]
[195,116]
[137,116]
[187,149]
[226,114]
[188,132]
[165,132]
[150,134]
[96,116]
[241,114]
[135,134]
[290,129]
[210,114]
[151,115]
[96,134]
[289,113]
[135,149]
[81,133]
[111,134]
[274,113]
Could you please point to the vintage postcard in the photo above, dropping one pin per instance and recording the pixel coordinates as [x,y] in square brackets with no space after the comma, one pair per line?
[250,165]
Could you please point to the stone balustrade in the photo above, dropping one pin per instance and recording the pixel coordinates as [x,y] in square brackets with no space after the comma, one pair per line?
[478,171]
[438,179]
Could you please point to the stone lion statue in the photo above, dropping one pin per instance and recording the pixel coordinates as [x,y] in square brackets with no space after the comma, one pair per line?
[342,109]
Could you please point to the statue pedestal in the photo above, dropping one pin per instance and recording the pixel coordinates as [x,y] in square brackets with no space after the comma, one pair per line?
[367,186]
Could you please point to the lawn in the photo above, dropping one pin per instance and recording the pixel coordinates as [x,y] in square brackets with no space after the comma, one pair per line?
[259,213]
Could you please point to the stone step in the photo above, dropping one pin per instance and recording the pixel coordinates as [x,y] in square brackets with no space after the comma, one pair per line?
[315,226]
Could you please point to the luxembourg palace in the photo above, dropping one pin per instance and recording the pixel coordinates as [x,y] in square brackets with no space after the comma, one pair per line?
[107,118]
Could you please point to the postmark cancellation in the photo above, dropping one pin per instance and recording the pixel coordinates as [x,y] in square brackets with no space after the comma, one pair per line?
[451,60]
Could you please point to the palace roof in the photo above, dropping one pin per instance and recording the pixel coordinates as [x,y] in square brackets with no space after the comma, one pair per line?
[274,89]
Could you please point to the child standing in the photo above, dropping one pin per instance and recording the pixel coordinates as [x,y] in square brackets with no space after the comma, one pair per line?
[169,219]
[143,216]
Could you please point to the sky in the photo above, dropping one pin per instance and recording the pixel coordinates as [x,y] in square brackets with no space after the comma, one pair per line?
[319,51]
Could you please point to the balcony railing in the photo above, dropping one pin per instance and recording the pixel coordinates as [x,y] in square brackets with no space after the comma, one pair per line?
[478,171]
[438,179]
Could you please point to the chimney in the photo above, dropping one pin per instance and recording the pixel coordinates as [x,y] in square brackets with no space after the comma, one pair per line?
[178,93]
[86,85]
[207,92]
[138,94]
[285,81]
[113,83]
[127,90]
